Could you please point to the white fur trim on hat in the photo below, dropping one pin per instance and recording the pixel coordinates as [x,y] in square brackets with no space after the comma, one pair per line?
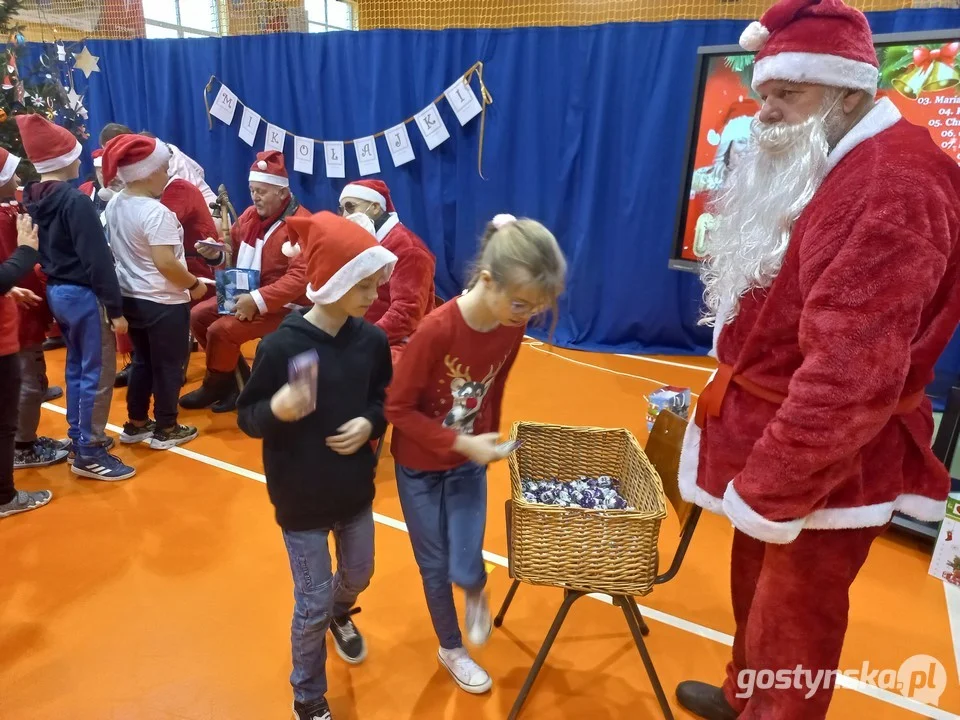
[106,194]
[60,162]
[754,37]
[291,250]
[817,69]
[362,266]
[143,169]
[9,168]
[362,192]
[269,179]
[98,161]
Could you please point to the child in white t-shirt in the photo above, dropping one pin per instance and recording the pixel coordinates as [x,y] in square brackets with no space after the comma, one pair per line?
[147,242]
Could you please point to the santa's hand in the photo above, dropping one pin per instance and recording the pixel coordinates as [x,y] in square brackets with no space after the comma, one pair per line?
[246,308]
[207,252]
[352,436]
[22,296]
[291,403]
[481,449]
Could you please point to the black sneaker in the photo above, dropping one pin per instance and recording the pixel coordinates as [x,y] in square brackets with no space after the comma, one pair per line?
[347,639]
[166,439]
[133,434]
[314,711]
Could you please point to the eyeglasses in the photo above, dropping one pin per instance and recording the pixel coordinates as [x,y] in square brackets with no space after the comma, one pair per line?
[349,207]
[258,193]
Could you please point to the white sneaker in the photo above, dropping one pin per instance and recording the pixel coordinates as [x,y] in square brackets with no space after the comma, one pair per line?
[479,623]
[468,675]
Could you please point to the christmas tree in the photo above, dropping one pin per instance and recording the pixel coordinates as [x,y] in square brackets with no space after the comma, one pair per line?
[33,82]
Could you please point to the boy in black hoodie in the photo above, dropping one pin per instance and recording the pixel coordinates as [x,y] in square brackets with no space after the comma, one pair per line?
[82,291]
[318,460]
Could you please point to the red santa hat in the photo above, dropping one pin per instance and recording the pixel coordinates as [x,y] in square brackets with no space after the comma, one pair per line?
[133,157]
[8,166]
[97,156]
[338,253]
[49,147]
[735,124]
[375,191]
[824,42]
[270,168]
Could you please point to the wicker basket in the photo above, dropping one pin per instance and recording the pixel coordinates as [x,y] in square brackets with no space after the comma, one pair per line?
[609,551]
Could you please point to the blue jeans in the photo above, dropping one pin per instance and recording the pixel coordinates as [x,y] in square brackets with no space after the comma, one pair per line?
[446,515]
[321,595]
[91,363]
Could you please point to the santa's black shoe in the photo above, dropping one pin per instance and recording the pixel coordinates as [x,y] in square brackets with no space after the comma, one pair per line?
[705,701]
[216,387]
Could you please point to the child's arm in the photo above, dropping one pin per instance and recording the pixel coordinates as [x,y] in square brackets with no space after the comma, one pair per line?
[95,256]
[496,392]
[16,266]
[378,390]
[254,414]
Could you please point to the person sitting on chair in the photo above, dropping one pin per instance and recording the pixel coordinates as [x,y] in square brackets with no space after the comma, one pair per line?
[258,236]
[409,295]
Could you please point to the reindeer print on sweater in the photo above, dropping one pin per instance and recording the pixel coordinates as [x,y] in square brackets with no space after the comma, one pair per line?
[468,395]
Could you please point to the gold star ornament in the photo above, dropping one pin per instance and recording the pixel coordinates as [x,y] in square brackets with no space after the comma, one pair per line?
[87,62]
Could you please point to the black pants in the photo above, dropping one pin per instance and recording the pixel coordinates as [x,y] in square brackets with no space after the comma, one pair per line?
[159,334]
[9,413]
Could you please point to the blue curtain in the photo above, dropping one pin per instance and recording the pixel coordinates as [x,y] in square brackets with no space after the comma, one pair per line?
[586,133]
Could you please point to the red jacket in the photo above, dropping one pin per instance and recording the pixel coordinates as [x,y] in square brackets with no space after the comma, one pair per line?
[282,281]
[31,323]
[190,207]
[866,300]
[409,295]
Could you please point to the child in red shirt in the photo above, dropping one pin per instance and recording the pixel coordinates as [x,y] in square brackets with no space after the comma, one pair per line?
[444,405]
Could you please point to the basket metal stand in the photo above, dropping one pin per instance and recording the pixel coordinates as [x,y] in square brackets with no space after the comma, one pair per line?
[663,451]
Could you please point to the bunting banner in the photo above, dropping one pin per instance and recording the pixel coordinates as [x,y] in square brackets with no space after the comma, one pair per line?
[460,96]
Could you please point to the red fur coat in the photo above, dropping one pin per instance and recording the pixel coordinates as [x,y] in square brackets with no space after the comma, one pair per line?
[409,295]
[867,299]
[282,281]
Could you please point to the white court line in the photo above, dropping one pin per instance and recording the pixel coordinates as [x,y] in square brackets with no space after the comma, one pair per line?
[642,358]
[658,615]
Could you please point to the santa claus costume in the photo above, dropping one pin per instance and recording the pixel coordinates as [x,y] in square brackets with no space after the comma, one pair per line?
[257,245]
[815,429]
[409,295]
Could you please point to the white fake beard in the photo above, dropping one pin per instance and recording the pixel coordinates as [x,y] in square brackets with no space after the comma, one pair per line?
[772,182]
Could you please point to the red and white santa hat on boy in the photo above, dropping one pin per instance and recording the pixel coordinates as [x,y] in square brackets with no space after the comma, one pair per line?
[270,168]
[8,166]
[375,191]
[338,253]
[49,147]
[823,42]
[130,158]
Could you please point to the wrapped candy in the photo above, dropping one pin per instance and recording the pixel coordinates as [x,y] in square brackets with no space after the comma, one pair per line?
[602,493]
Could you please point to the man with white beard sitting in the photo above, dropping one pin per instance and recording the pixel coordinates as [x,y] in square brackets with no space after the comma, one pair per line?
[833,285]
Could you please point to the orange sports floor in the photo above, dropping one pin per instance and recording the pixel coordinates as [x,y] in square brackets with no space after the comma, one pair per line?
[168,597]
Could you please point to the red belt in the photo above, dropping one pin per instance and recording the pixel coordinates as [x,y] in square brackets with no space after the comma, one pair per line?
[711,399]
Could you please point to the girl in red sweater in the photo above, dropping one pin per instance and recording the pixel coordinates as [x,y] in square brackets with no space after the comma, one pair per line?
[444,405]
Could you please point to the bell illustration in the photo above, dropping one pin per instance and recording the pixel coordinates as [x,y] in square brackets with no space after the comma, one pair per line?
[943,76]
[913,82]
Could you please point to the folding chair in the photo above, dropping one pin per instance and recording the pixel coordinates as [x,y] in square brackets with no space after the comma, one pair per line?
[663,451]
